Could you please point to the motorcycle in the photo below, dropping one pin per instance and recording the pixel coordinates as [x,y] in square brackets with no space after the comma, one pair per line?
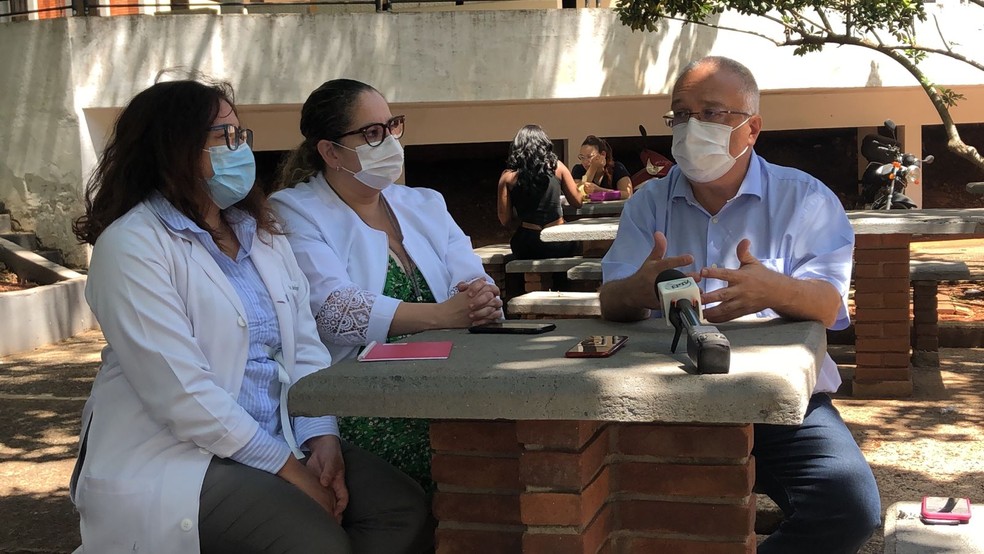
[889,171]
[657,165]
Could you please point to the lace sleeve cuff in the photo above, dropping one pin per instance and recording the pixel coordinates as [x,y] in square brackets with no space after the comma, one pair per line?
[344,317]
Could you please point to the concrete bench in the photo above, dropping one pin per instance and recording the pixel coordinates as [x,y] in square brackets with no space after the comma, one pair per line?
[494,259]
[925,277]
[905,533]
[585,271]
[539,274]
[554,305]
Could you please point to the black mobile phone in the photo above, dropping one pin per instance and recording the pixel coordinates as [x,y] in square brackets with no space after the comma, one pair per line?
[513,328]
[597,346]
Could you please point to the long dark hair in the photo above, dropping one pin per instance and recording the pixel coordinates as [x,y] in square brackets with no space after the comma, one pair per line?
[327,113]
[531,156]
[603,146]
[156,145]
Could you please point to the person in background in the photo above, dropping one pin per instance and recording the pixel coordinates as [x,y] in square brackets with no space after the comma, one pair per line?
[598,170]
[532,185]
[186,445]
[383,260]
[766,240]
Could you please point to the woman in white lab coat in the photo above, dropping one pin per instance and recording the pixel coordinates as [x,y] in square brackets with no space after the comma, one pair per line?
[186,445]
[382,260]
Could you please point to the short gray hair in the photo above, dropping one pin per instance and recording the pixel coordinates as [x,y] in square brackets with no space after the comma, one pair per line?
[749,88]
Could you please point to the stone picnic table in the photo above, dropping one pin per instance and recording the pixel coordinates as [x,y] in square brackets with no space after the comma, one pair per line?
[534,452]
[882,283]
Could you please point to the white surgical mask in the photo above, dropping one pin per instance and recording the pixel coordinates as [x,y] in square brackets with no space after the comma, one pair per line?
[703,149]
[234,172]
[381,165]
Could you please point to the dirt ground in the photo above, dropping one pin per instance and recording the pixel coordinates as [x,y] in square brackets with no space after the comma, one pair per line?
[930,444]
[9,281]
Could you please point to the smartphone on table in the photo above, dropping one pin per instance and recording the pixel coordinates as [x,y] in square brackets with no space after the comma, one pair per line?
[513,328]
[943,509]
[597,346]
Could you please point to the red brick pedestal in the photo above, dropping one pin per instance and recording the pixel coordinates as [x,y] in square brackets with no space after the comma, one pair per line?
[582,487]
[881,298]
[925,324]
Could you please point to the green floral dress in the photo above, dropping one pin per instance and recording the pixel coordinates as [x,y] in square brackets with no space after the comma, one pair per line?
[403,442]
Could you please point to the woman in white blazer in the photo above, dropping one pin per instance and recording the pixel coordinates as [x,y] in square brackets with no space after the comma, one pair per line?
[186,445]
[381,260]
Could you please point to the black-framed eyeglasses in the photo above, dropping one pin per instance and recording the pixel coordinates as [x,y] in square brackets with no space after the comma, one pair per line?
[375,133]
[234,136]
[674,118]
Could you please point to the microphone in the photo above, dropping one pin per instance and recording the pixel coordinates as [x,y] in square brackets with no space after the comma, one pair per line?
[707,347]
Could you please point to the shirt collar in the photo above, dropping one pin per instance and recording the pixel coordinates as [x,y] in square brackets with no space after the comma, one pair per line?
[243,225]
[751,185]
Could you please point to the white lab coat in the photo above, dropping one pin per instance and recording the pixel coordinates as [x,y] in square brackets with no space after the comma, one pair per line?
[336,249]
[164,401]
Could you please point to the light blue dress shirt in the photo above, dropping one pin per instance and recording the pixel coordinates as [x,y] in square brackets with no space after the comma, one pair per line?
[259,394]
[796,226]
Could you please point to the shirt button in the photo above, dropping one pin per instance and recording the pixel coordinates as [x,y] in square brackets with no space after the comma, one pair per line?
[203,451]
[242,322]
[186,524]
[714,220]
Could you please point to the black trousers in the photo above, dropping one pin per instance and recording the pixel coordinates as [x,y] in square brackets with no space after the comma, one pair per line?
[245,510]
[526,245]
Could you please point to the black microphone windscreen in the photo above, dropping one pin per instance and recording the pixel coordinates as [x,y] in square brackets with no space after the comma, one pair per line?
[669,275]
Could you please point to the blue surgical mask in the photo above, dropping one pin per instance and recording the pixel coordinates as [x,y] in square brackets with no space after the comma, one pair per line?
[235,173]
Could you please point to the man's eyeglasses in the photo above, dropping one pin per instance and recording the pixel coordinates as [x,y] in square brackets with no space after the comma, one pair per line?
[674,118]
[234,136]
[375,133]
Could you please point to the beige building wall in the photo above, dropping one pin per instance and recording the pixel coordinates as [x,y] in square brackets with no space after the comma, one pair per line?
[460,76]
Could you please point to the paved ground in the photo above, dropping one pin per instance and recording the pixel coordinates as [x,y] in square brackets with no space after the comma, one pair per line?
[929,444]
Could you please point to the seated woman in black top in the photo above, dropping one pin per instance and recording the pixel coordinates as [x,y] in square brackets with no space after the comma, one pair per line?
[532,183]
[598,169]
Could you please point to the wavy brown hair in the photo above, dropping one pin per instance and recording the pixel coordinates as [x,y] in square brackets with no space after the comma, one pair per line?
[156,145]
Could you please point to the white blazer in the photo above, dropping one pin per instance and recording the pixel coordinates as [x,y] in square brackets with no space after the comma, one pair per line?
[164,401]
[337,250]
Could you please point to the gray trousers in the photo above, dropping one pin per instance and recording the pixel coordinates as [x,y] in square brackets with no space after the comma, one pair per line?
[245,511]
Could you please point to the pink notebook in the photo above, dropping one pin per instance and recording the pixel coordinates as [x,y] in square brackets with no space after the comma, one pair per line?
[379,352]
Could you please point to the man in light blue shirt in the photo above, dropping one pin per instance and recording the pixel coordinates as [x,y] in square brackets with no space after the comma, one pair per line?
[761,239]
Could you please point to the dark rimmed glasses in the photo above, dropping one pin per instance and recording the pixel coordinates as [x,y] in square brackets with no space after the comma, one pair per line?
[375,133]
[234,136]
[711,115]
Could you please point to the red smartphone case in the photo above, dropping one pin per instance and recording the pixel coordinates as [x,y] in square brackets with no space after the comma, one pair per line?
[941,508]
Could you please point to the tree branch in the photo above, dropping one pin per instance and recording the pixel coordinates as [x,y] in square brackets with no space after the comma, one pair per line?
[723,28]
[954,142]
[939,31]
[948,53]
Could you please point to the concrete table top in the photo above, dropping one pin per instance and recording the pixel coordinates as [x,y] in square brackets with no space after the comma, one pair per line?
[596,228]
[867,222]
[918,222]
[526,377]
